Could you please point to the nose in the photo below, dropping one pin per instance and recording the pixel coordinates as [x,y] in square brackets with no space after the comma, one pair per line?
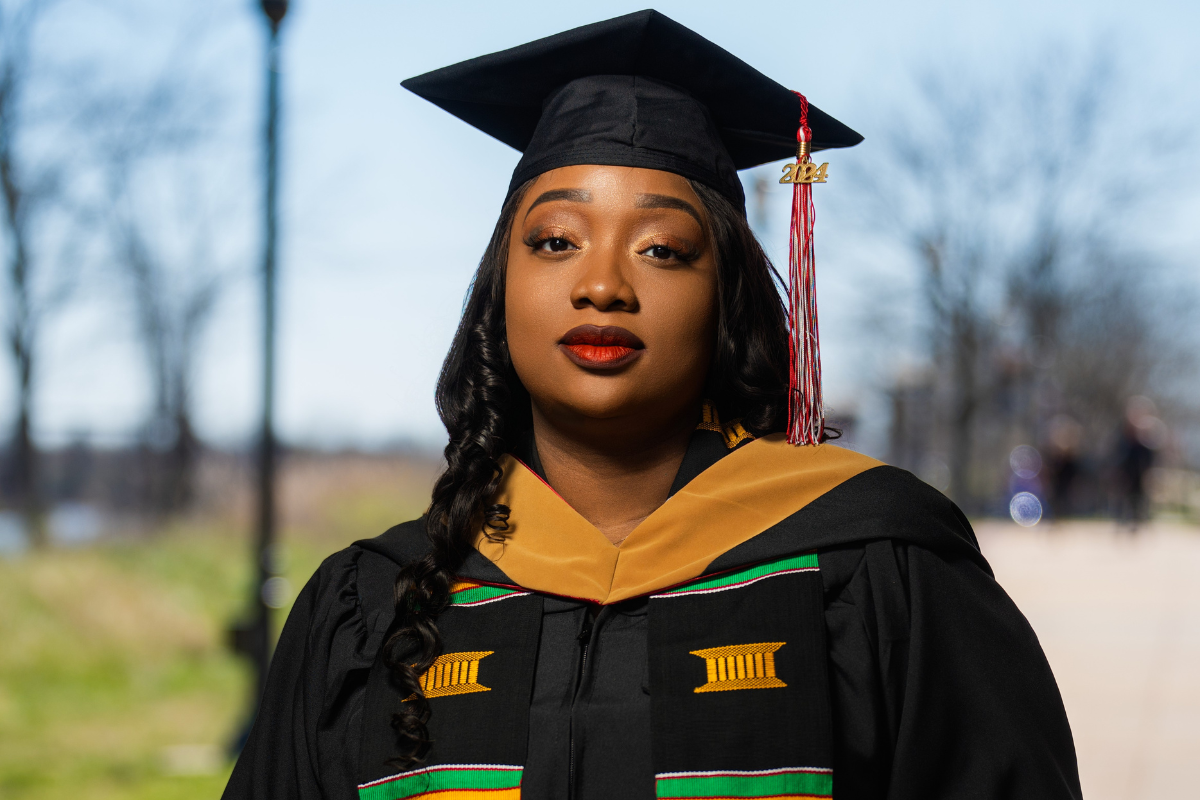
[603,282]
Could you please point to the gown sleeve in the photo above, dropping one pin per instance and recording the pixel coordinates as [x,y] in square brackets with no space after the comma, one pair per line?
[304,743]
[939,686]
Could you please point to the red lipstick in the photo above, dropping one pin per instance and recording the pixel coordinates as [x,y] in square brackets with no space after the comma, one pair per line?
[601,347]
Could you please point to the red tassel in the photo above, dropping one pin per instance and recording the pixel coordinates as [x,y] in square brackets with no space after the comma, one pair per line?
[806,416]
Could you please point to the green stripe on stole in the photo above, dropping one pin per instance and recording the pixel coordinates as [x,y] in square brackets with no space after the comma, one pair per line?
[478,595]
[794,782]
[450,778]
[744,577]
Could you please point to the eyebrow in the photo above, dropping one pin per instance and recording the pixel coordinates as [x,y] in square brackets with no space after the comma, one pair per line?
[667,201]
[573,195]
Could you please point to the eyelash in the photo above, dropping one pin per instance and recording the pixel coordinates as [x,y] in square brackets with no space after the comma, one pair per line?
[678,255]
[539,242]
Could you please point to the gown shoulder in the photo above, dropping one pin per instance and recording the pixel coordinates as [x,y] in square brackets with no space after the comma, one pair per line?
[304,742]
[939,685]
[881,503]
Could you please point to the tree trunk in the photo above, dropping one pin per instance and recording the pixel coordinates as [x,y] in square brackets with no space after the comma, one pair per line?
[181,465]
[25,458]
[964,352]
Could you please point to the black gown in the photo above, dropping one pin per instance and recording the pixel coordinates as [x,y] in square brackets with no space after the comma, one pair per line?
[938,686]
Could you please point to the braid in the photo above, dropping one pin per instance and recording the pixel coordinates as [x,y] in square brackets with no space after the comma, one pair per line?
[475,393]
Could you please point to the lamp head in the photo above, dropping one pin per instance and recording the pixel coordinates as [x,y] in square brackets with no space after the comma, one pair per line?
[275,11]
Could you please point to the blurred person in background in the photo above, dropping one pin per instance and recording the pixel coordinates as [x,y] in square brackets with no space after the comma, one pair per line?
[1063,465]
[1141,435]
[642,572]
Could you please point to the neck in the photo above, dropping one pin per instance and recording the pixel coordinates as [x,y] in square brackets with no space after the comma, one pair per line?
[612,473]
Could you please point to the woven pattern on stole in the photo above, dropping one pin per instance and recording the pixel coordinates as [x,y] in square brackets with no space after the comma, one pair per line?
[479,691]
[738,685]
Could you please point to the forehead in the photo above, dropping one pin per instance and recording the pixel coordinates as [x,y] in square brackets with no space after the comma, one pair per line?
[608,184]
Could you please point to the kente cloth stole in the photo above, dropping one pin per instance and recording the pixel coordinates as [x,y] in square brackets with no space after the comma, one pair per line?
[738,690]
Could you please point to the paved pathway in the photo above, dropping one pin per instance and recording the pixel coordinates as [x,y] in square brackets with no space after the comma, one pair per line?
[1119,618]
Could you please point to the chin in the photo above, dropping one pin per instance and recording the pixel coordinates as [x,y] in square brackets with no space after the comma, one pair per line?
[609,397]
[600,402]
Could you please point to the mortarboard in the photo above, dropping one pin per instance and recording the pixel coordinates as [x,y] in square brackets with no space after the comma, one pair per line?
[641,90]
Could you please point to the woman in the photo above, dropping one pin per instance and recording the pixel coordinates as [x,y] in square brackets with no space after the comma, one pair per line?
[629,584]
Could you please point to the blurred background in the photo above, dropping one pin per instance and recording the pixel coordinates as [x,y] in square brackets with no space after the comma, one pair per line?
[1008,277]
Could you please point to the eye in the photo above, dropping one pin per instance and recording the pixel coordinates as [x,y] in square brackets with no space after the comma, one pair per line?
[666,252]
[555,244]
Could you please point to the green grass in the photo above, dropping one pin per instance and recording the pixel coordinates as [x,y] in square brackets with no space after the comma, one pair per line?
[114,657]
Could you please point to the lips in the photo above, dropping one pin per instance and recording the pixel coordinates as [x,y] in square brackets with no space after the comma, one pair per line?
[601,347]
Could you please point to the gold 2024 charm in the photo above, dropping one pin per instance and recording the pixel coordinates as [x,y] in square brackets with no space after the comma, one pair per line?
[804,172]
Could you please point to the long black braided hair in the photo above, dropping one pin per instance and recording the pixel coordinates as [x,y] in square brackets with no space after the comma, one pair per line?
[484,408]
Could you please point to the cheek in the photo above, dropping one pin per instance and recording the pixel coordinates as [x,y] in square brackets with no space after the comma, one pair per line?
[531,316]
[685,324]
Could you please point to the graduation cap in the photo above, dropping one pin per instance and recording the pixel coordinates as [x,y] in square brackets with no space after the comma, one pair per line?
[641,90]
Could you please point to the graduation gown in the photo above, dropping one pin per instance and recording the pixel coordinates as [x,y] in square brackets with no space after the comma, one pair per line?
[793,622]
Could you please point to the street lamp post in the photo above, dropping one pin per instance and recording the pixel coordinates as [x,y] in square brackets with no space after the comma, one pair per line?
[275,10]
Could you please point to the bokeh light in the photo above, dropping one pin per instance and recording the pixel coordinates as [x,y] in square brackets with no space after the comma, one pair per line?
[1026,462]
[1025,509]
[277,592]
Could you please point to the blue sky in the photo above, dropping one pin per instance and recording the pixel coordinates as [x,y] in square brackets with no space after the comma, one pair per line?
[388,201]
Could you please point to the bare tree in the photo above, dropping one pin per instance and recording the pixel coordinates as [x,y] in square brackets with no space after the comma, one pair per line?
[81,160]
[1004,197]
[174,302]
[30,188]
[150,150]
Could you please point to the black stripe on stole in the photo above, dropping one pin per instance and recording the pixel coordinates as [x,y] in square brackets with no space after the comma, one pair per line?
[762,726]
[488,723]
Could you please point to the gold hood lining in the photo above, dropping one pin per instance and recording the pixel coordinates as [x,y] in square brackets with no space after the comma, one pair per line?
[551,548]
